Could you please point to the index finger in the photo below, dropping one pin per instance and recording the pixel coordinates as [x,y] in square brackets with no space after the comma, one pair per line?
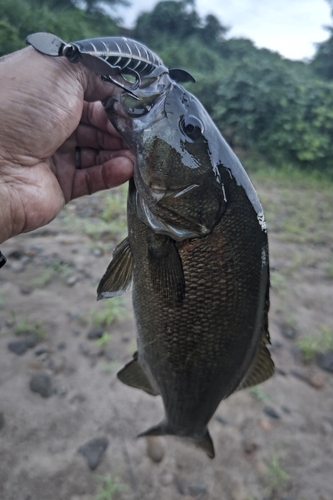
[93,114]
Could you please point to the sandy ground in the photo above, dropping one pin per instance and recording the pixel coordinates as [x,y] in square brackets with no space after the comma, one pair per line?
[274,442]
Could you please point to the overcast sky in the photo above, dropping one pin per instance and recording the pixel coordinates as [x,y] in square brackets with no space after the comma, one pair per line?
[290,27]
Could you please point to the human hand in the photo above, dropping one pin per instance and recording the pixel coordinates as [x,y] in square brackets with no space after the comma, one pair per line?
[46,112]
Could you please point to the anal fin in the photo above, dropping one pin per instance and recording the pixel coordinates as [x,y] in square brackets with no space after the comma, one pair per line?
[118,276]
[133,375]
[261,369]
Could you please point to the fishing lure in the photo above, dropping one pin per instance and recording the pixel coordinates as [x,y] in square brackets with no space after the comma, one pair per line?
[110,57]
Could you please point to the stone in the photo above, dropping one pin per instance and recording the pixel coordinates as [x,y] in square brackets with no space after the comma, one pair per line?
[271,412]
[93,451]
[265,425]
[238,492]
[180,484]
[31,340]
[316,380]
[155,448]
[61,346]
[41,383]
[250,447]
[18,347]
[325,361]
[95,333]
[221,420]
[72,280]
[198,488]
[2,420]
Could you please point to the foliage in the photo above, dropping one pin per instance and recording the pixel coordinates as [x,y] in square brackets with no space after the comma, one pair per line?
[19,18]
[261,102]
[277,479]
[109,312]
[316,343]
[28,327]
[107,488]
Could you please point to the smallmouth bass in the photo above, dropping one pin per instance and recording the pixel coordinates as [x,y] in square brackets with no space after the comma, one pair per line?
[197,257]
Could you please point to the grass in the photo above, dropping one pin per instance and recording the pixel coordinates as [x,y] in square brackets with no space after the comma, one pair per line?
[108,487]
[316,343]
[28,327]
[105,224]
[55,268]
[277,479]
[259,394]
[108,312]
[103,341]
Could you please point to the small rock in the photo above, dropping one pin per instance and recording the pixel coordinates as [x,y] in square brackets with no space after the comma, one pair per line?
[93,451]
[281,372]
[249,447]
[71,280]
[97,252]
[2,420]
[271,412]
[325,361]
[155,448]
[330,420]
[298,375]
[261,468]
[221,420]
[61,346]
[198,488]
[31,340]
[316,380]
[18,347]
[41,351]
[180,484]
[60,391]
[84,350]
[95,333]
[166,478]
[57,364]
[286,409]
[288,331]
[26,290]
[17,266]
[238,492]
[42,383]
[265,425]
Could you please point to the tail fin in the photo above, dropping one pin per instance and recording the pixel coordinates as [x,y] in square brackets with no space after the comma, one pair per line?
[205,442]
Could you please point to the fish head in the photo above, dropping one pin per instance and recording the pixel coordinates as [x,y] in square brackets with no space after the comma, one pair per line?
[178,188]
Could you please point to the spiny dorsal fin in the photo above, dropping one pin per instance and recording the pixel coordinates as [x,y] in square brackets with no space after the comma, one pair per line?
[261,369]
[133,375]
[118,276]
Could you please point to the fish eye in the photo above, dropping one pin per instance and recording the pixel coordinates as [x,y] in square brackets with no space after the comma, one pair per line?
[191,126]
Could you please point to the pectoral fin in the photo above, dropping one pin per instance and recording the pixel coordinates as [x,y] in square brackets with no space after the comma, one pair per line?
[166,269]
[118,276]
[133,375]
[260,370]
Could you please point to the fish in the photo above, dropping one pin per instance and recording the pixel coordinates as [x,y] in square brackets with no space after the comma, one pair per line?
[197,258]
